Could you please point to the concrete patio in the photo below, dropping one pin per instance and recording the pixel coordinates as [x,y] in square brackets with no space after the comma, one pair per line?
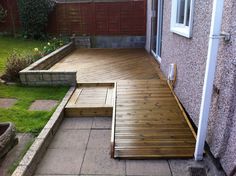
[81,147]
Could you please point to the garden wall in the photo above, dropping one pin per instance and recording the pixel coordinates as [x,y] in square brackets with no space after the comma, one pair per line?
[35,153]
[38,73]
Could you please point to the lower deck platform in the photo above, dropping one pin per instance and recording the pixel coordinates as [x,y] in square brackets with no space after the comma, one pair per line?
[147,120]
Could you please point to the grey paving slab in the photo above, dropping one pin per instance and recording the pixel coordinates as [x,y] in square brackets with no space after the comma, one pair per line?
[181,167]
[43,105]
[98,162]
[99,139]
[147,168]
[61,161]
[70,139]
[102,123]
[7,102]
[77,123]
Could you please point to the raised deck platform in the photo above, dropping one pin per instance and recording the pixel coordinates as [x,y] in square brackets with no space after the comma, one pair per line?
[148,121]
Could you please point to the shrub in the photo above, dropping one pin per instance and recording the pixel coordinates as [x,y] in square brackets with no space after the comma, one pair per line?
[34,17]
[16,63]
[3,13]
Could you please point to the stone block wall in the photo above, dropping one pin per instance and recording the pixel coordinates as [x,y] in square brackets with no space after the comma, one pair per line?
[37,74]
[47,77]
[35,153]
[48,61]
[119,41]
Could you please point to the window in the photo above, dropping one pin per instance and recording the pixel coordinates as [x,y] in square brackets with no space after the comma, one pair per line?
[182,17]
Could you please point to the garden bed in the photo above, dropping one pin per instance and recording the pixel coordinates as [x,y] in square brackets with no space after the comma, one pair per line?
[39,74]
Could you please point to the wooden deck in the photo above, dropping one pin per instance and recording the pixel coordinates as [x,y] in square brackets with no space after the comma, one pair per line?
[91,99]
[98,65]
[148,121]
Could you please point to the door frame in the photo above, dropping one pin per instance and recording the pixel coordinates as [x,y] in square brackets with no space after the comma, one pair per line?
[157,54]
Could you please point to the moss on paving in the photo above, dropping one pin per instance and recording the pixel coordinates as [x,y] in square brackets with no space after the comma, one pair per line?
[25,120]
[9,44]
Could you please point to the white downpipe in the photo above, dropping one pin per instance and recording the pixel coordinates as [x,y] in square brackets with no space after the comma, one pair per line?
[218,6]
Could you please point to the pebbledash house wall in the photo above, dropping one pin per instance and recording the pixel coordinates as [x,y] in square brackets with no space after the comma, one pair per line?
[190,55]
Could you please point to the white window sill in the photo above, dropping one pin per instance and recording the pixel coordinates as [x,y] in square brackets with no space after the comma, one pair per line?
[183,31]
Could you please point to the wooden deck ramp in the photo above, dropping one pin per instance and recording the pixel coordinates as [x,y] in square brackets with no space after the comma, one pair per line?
[149,123]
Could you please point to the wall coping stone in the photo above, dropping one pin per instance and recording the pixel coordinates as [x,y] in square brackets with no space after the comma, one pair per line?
[35,64]
[37,73]
[33,156]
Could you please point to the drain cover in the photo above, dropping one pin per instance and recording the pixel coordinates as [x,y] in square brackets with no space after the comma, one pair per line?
[197,171]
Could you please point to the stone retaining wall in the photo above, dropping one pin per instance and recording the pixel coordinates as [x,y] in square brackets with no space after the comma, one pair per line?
[33,156]
[38,73]
[119,41]
[105,41]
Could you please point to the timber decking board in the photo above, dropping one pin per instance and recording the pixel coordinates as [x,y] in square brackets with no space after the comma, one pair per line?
[149,122]
[99,65]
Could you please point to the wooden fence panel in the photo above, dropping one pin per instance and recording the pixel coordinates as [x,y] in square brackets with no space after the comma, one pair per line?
[11,22]
[90,18]
[100,18]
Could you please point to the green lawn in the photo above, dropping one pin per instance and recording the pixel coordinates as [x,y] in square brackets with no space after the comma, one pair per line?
[25,121]
[10,44]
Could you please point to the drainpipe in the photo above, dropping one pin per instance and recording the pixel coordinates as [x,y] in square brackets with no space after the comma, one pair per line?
[214,39]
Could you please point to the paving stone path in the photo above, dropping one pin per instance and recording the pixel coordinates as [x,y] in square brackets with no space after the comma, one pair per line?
[43,105]
[7,102]
[82,145]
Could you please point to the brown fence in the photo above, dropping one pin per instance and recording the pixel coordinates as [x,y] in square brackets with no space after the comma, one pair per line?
[92,18]
[11,22]
[103,18]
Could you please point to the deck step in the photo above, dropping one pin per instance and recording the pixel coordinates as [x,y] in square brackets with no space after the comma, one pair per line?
[91,99]
[149,122]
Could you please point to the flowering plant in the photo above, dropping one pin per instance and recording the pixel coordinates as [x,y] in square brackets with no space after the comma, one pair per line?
[50,46]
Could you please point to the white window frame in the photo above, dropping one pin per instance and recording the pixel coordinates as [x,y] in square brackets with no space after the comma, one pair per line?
[178,28]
